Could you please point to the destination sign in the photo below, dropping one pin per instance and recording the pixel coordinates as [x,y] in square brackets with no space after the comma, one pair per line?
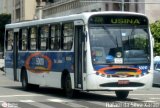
[119,19]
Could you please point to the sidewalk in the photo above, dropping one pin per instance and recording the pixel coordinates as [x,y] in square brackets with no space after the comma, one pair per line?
[4,81]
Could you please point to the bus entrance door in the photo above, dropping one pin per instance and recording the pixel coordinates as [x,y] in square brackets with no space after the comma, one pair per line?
[79,56]
[15,54]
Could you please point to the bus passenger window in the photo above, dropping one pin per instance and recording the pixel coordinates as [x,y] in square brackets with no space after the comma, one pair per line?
[33,38]
[9,43]
[55,37]
[44,32]
[24,40]
[67,40]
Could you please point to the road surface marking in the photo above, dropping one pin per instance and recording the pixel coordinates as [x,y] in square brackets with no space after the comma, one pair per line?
[26,101]
[149,101]
[75,105]
[36,104]
[57,100]
[136,94]
[103,104]
[155,98]
[67,103]
[10,96]
[135,98]
[145,94]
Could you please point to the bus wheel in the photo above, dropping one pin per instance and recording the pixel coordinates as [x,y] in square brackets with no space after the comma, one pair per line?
[122,94]
[24,80]
[69,92]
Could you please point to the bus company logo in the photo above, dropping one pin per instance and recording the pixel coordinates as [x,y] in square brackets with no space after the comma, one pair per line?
[38,63]
[119,71]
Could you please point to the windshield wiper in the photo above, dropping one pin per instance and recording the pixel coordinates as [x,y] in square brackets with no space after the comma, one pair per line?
[112,37]
[129,39]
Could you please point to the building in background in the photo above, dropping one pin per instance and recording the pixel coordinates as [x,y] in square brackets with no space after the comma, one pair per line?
[26,9]
[36,9]
[66,7]
[152,10]
[6,6]
[23,10]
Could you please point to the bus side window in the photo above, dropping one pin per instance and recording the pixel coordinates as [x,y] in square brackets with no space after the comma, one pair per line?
[44,32]
[67,36]
[55,37]
[9,40]
[23,39]
[33,38]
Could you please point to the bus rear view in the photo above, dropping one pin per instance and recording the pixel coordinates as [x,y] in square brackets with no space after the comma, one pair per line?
[121,53]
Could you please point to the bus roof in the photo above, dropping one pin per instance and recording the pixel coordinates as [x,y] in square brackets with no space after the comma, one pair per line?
[85,16]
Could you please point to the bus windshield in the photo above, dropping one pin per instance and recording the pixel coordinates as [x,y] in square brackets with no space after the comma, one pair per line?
[119,44]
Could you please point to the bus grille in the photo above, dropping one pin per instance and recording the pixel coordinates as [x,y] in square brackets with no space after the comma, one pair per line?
[115,84]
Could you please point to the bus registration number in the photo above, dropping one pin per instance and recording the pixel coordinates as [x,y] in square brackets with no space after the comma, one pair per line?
[118,60]
[123,82]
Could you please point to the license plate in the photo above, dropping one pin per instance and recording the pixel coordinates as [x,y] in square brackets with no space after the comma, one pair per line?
[118,60]
[123,82]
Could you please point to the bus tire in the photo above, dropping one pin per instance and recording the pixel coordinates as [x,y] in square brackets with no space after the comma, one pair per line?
[69,92]
[24,80]
[122,94]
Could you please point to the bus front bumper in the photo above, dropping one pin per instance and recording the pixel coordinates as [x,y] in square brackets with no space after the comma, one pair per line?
[95,82]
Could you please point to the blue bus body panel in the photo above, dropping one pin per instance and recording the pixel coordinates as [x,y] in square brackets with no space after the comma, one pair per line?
[39,62]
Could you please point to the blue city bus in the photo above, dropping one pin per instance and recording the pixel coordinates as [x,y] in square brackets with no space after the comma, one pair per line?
[92,51]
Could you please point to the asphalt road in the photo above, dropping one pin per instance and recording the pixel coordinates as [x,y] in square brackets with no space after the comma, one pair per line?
[12,96]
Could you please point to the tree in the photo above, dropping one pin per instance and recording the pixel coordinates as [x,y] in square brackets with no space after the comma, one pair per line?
[4,19]
[155,30]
